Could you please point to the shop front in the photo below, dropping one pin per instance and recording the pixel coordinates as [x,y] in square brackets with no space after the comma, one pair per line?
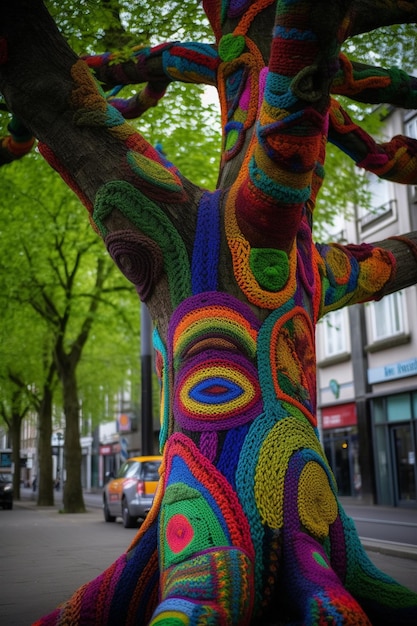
[394,422]
[341,445]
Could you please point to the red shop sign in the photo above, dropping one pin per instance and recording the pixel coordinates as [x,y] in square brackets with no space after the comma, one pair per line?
[339,416]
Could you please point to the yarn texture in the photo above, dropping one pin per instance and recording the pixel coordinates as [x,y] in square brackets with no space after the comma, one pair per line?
[246,527]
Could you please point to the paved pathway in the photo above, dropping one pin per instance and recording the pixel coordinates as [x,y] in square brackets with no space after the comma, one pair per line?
[45,555]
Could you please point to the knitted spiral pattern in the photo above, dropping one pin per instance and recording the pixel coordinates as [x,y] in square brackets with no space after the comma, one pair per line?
[150,219]
[246,527]
[138,258]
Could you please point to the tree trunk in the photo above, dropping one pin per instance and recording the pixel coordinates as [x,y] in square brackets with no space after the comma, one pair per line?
[73,500]
[15,428]
[44,478]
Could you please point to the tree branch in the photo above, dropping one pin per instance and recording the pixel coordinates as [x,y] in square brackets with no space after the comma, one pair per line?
[368,15]
[404,249]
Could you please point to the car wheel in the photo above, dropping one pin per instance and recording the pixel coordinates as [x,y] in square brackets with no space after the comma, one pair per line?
[108,517]
[128,520]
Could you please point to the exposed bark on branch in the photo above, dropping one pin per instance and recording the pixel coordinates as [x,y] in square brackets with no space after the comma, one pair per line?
[404,248]
[371,14]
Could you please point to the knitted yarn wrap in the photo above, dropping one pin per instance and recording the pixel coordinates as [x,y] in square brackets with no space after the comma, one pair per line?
[246,526]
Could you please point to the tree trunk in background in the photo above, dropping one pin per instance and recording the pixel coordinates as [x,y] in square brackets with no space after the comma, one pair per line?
[44,476]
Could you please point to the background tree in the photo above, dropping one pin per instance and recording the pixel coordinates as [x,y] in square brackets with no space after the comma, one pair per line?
[21,369]
[247,513]
[14,405]
[52,284]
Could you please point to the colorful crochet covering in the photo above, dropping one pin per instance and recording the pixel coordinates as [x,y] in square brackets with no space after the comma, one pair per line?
[17,144]
[246,527]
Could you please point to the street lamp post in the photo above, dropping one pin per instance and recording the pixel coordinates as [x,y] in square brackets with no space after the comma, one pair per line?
[59,437]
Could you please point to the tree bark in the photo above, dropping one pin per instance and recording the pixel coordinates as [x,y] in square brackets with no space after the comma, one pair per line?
[44,477]
[15,432]
[70,473]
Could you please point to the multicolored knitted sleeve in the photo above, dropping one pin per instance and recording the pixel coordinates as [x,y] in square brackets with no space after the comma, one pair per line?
[145,167]
[375,85]
[186,62]
[394,160]
[274,186]
[352,273]
[17,144]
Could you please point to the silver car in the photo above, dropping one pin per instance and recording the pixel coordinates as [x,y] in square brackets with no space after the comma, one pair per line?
[130,494]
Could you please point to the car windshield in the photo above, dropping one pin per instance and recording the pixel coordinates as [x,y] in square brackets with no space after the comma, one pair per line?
[5,478]
[150,470]
[128,469]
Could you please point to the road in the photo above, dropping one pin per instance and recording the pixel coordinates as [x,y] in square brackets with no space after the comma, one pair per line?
[47,555]
[383,523]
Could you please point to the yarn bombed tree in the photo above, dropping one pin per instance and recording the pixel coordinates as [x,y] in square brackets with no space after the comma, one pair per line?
[246,527]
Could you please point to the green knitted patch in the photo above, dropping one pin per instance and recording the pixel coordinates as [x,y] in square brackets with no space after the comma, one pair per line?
[188,524]
[152,172]
[270,267]
[231,46]
[232,137]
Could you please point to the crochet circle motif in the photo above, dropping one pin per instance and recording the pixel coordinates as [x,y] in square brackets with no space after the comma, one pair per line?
[179,533]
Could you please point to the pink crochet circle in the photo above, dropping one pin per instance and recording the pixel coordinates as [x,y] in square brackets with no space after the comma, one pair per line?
[179,533]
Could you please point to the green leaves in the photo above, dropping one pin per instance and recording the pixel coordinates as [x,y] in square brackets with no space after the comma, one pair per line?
[106,25]
[47,281]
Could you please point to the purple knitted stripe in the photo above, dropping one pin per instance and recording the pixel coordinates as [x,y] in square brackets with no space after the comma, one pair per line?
[304,261]
[338,548]
[208,445]
[205,260]
[89,599]
[237,7]
[119,566]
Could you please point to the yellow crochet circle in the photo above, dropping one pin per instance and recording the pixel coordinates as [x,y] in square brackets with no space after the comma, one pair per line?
[286,437]
[202,408]
[317,504]
[340,265]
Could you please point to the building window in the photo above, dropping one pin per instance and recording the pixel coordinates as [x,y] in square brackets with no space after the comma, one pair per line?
[411,128]
[335,333]
[387,316]
[383,207]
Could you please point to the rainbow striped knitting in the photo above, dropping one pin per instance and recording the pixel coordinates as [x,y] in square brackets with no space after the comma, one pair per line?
[246,527]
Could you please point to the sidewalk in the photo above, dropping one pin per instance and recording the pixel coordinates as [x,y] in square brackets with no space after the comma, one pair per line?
[391,548]
[354,508]
[395,558]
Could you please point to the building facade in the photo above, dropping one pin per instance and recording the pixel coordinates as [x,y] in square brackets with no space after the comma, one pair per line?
[367,363]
